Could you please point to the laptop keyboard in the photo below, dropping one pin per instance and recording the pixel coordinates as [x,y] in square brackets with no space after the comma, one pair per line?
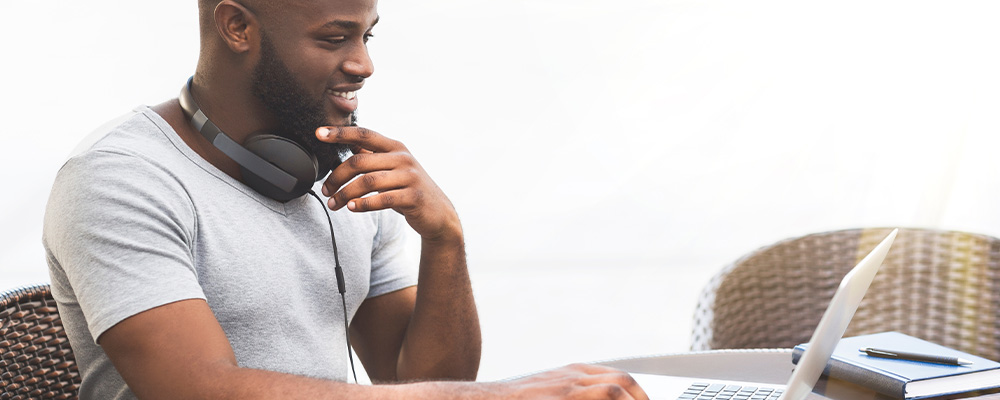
[705,391]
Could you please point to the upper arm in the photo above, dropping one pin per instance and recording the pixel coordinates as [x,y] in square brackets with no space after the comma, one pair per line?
[173,351]
[378,329]
[119,232]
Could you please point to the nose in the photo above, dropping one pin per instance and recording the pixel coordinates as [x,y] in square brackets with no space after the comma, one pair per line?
[359,64]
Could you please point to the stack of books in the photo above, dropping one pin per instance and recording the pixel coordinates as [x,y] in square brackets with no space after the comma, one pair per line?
[900,366]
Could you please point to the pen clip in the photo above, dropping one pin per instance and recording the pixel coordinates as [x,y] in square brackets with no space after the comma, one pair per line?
[873,352]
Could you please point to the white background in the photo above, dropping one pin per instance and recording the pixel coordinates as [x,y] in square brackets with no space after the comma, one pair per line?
[606,156]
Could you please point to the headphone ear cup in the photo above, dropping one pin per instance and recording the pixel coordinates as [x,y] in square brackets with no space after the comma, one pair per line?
[286,155]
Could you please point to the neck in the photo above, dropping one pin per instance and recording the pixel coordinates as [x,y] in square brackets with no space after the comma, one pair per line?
[229,103]
[228,100]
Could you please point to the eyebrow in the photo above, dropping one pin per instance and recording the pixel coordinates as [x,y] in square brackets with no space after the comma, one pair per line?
[347,24]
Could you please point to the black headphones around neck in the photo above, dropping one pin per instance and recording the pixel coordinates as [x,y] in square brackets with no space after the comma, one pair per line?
[274,166]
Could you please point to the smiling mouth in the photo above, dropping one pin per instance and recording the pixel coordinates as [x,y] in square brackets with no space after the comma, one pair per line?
[346,95]
[345,101]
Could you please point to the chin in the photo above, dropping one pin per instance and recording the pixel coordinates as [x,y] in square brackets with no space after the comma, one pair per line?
[337,117]
[339,122]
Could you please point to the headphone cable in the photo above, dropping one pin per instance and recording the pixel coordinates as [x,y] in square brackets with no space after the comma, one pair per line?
[341,286]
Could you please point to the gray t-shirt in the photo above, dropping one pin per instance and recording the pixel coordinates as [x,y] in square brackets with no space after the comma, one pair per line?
[139,220]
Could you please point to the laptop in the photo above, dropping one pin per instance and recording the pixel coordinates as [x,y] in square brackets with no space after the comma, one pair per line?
[824,339]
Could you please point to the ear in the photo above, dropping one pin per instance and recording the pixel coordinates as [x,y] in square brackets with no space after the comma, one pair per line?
[236,25]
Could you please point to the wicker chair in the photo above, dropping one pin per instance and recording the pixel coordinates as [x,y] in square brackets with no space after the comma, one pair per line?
[942,286]
[36,361]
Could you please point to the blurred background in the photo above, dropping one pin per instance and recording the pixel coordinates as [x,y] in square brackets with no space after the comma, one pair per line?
[607,157]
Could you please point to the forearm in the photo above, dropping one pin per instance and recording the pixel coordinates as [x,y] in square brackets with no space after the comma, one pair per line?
[443,339]
[252,384]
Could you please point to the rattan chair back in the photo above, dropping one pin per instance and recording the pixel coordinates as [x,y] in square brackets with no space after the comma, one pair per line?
[941,286]
[36,361]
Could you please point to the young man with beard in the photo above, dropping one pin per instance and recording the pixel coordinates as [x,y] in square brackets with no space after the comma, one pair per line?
[176,280]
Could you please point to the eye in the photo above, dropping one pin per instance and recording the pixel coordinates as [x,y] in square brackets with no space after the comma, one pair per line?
[368,36]
[335,39]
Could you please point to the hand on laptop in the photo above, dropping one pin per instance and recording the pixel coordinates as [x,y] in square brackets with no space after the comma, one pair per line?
[577,382]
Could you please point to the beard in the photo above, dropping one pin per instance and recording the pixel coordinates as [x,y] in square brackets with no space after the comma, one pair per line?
[298,113]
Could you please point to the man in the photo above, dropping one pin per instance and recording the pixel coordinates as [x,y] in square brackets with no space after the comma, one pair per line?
[176,280]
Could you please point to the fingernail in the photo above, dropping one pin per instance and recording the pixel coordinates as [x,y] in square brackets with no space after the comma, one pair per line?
[326,192]
[351,206]
[323,132]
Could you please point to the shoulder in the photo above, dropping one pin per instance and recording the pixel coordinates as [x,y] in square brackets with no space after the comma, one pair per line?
[127,170]
[140,134]
[134,147]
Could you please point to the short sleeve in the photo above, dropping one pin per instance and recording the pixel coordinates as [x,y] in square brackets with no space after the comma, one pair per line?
[393,268]
[118,233]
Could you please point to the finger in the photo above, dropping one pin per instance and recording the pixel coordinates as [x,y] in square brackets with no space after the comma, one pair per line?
[358,150]
[599,374]
[618,379]
[393,199]
[362,164]
[593,369]
[355,135]
[606,391]
[375,182]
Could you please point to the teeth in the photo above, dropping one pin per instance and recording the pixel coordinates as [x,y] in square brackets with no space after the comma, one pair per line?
[346,95]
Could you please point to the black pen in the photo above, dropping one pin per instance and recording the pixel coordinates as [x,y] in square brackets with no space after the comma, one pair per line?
[902,355]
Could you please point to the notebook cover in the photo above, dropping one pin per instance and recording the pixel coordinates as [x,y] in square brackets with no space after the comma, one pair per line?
[890,376]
